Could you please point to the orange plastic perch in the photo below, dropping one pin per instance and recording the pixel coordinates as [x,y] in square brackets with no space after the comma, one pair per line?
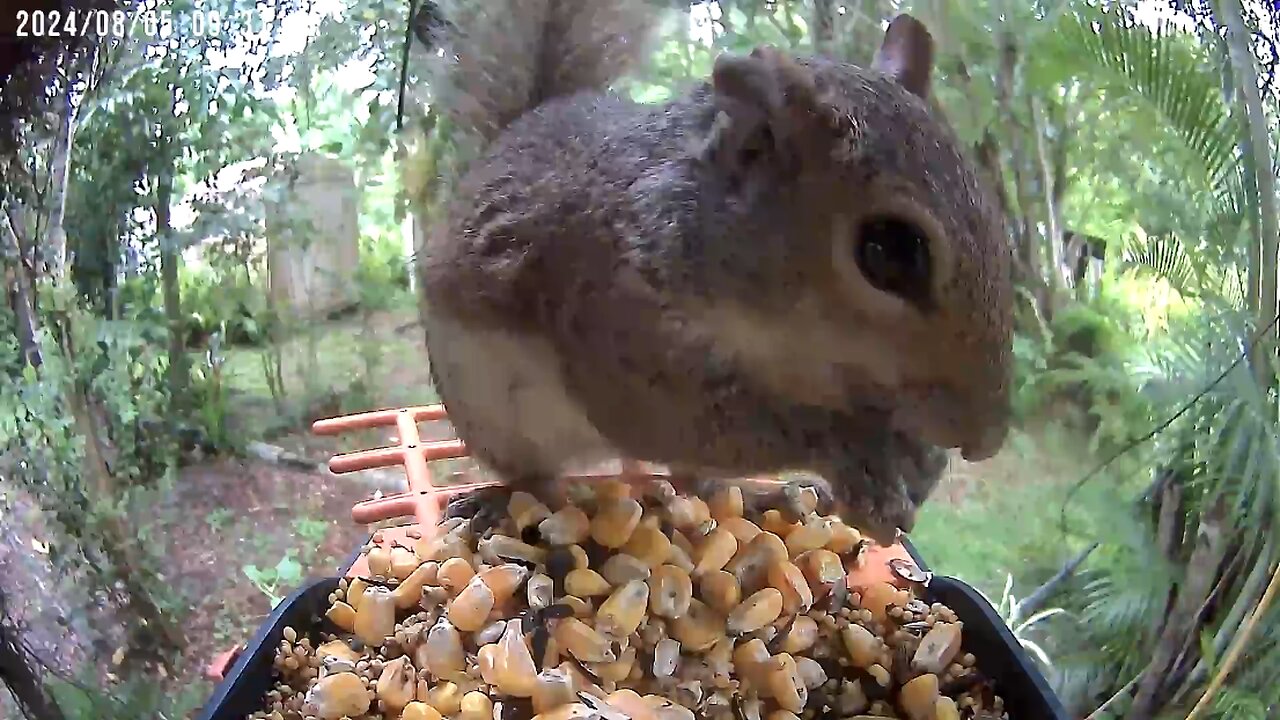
[425,499]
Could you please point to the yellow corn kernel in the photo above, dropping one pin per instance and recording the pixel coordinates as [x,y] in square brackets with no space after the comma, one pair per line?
[714,551]
[442,651]
[539,591]
[376,618]
[666,657]
[751,564]
[880,596]
[487,659]
[397,684]
[503,579]
[937,648]
[755,612]
[615,521]
[812,535]
[822,568]
[801,636]
[810,672]
[726,503]
[526,510]
[649,545]
[581,608]
[615,671]
[670,591]
[408,593]
[339,694]
[687,513]
[749,658]
[580,559]
[517,672]
[773,521]
[379,561]
[880,674]
[585,583]
[355,593]
[863,646]
[403,562]
[422,711]
[621,614]
[945,709]
[554,689]
[454,574]
[783,681]
[790,581]
[720,590]
[582,641]
[844,539]
[342,615]
[919,697]
[680,540]
[742,528]
[497,549]
[446,698]
[470,609]
[622,569]
[476,706]
[567,526]
[699,628]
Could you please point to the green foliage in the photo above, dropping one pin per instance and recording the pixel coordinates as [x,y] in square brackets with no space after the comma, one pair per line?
[133,698]
[275,582]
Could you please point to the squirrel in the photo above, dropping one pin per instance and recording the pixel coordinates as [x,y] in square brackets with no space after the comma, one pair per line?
[792,266]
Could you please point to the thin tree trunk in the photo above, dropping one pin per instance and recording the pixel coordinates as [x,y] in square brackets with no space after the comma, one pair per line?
[169,261]
[824,27]
[23,297]
[56,234]
[1184,617]
[1048,176]
[19,674]
[1245,71]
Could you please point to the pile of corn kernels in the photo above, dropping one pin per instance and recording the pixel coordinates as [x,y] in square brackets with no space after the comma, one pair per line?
[630,602]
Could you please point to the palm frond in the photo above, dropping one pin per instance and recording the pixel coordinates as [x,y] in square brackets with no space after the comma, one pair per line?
[1164,257]
[1160,66]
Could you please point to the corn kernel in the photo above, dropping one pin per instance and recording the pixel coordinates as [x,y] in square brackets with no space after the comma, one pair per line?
[408,593]
[726,503]
[397,684]
[743,529]
[649,545]
[615,521]
[822,568]
[945,709]
[844,539]
[580,559]
[420,711]
[342,615]
[622,569]
[863,647]
[621,614]
[470,609]
[446,698]
[687,513]
[714,551]
[585,583]
[539,591]
[937,648]
[615,671]
[879,597]
[666,657]
[751,564]
[699,628]
[376,618]
[567,526]
[784,683]
[629,703]
[454,574]
[517,673]
[790,581]
[526,510]
[801,636]
[812,535]
[720,590]
[476,706]
[773,521]
[403,562]
[498,549]
[379,561]
[355,593]
[755,612]
[442,651]
[503,579]
[670,591]
[582,641]
[919,697]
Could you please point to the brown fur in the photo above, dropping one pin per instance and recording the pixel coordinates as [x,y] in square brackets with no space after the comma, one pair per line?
[619,278]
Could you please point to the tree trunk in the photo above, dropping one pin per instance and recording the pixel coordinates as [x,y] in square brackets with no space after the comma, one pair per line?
[56,235]
[824,27]
[170,258]
[22,294]
[1048,175]
[1184,618]
[1267,231]
[19,674]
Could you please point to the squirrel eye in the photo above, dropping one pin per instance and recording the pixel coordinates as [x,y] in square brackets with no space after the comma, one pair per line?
[894,257]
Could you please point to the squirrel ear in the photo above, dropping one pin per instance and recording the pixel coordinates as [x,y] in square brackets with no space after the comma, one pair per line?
[906,55]
[763,98]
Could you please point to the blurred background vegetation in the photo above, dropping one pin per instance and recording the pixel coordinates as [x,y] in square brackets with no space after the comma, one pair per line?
[1127,532]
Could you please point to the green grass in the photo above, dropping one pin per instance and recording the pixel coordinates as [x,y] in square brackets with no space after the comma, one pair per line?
[1007,521]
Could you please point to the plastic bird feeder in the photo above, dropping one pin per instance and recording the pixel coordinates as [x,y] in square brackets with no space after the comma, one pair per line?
[245,673]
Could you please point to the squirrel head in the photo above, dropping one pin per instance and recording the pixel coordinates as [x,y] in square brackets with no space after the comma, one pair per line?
[867,263]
